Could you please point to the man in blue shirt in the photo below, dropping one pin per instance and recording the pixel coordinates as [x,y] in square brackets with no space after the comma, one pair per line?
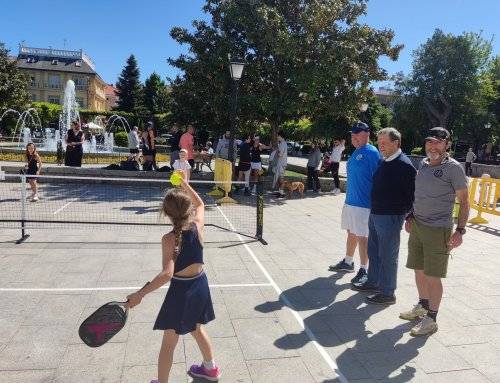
[392,199]
[361,167]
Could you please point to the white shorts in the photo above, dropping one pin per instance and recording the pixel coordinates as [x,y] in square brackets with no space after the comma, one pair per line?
[256,165]
[355,219]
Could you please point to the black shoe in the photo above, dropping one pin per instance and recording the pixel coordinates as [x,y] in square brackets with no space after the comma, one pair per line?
[365,287]
[279,195]
[247,192]
[361,277]
[342,266]
[380,299]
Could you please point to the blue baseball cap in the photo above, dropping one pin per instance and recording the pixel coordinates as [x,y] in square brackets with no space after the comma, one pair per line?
[359,127]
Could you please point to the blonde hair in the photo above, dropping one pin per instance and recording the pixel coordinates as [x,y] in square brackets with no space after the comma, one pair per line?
[177,206]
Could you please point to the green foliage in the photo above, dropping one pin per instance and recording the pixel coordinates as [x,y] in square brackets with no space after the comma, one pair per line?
[13,84]
[156,95]
[452,85]
[418,151]
[121,139]
[48,113]
[302,59]
[377,116]
[130,88]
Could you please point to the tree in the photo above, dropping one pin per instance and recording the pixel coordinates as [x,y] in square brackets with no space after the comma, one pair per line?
[129,87]
[13,84]
[156,95]
[446,73]
[304,59]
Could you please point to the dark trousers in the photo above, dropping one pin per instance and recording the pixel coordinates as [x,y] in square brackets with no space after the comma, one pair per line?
[313,179]
[383,251]
[468,168]
[335,174]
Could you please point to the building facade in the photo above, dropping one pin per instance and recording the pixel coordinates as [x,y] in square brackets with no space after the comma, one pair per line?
[111,97]
[49,69]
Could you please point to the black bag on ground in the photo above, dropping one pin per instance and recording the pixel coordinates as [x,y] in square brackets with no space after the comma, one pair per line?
[164,169]
[129,165]
[112,167]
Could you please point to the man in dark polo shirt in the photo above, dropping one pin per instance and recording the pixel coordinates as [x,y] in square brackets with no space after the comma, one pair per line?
[440,179]
[391,201]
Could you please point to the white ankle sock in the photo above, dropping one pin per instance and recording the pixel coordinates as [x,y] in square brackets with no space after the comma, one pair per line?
[281,191]
[209,365]
[349,260]
[364,267]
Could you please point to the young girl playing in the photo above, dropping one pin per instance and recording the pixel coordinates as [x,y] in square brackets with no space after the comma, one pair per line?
[33,167]
[188,304]
[183,164]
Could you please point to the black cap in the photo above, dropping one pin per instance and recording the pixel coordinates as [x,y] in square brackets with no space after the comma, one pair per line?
[360,127]
[438,133]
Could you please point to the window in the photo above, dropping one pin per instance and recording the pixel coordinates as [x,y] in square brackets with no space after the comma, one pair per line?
[33,97]
[53,99]
[54,62]
[78,63]
[54,81]
[80,83]
[80,102]
[32,81]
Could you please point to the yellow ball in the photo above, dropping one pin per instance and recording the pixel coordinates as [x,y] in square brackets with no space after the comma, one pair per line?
[176,178]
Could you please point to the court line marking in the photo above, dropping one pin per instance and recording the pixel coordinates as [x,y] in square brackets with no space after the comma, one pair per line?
[76,289]
[70,202]
[327,358]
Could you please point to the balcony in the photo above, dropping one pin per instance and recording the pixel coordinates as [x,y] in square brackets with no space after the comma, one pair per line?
[53,86]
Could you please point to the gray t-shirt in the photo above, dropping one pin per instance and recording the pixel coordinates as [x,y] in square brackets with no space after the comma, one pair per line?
[435,190]
[282,149]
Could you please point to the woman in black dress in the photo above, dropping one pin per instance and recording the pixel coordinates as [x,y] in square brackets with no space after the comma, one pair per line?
[33,167]
[74,149]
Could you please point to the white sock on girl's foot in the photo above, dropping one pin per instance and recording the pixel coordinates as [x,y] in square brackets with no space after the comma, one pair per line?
[209,365]
[364,267]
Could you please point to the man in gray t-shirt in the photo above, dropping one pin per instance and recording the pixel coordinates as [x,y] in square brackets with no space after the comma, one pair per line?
[435,191]
[439,181]
[279,164]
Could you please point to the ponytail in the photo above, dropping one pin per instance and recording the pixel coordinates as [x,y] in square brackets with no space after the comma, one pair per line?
[178,241]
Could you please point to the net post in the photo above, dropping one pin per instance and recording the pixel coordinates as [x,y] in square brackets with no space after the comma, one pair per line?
[260,211]
[24,236]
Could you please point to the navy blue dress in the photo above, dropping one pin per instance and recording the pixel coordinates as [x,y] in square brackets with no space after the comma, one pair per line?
[188,301]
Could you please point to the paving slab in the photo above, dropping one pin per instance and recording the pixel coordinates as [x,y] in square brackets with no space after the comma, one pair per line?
[256,337]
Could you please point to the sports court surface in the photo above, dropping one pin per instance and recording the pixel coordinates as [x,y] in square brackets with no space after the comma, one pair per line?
[263,296]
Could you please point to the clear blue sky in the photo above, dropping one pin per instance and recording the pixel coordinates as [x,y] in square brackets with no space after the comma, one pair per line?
[110,30]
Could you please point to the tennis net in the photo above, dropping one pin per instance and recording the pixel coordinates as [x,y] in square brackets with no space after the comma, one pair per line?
[101,201]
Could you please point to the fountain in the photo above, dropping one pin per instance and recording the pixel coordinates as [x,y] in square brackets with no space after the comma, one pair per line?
[29,128]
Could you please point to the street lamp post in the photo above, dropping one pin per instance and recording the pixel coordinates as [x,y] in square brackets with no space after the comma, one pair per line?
[363,108]
[236,69]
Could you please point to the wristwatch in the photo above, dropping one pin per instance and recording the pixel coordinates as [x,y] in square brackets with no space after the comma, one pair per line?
[461,230]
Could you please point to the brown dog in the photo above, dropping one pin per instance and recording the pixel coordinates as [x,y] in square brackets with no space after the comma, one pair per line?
[294,186]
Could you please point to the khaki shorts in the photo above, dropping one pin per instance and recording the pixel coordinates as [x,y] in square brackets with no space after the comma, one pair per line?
[428,249]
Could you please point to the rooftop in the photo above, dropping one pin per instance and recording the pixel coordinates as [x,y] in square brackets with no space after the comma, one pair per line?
[54,59]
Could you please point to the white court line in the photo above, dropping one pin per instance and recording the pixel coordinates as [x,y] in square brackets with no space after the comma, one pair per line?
[333,366]
[70,202]
[63,289]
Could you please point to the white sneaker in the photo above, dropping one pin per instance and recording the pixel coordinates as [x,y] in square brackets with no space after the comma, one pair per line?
[426,326]
[415,313]
[34,198]
[336,191]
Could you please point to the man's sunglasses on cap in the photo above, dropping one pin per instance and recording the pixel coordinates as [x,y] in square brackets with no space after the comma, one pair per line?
[438,134]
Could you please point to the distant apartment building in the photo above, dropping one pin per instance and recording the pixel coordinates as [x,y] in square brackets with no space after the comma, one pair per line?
[49,69]
[111,96]
[386,96]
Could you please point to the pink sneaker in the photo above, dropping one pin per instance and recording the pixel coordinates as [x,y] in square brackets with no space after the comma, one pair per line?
[202,372]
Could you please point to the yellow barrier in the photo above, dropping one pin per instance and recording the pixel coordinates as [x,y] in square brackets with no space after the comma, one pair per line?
[483,197]
[223,174]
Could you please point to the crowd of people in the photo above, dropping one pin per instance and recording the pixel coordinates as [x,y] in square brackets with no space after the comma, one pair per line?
[376,207]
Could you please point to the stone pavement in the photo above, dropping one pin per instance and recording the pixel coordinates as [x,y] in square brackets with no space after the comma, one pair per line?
[257,338]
